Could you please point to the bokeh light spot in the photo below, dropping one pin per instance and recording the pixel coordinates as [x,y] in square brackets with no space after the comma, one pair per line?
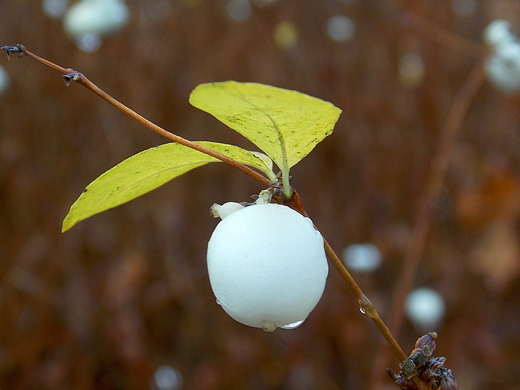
[167,378]
[425,307]
[463,7]
[411,70]
[239,10]
[362,257]
[88,42]
[263,3]
[55,8]
[340,28]
[285,35]
[4,79]
[158,9]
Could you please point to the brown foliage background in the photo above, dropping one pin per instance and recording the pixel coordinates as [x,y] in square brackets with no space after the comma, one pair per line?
[105,304]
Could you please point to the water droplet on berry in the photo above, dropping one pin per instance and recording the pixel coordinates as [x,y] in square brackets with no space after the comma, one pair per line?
[293,325]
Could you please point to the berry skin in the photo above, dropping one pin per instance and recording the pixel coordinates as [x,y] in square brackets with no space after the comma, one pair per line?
[267,266]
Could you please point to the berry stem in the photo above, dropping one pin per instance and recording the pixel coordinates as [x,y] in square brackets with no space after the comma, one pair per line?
[368,309]
[72,75]
[365,305]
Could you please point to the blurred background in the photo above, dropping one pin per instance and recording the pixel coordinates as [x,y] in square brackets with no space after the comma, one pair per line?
[123,301]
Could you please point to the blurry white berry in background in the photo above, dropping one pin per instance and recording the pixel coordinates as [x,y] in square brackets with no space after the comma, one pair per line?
[88,42]
[90,20]
[425,308]
[362,257]
[266,264]
[4,79]
[263,3]
[503,65]
[463,7]
[158,9]
[166,378]
[340,28]
[239,10]
[411,70]
[55,8]
[499,32]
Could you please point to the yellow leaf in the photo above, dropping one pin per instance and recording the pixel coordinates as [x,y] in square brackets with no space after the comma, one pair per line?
[146,171]
[286,125]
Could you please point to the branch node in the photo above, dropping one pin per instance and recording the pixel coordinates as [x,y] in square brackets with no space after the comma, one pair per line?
[72,76]
[18,48]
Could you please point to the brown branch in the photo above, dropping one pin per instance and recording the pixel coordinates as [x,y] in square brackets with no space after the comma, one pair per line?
[80,78]
[365,305]
[443,36]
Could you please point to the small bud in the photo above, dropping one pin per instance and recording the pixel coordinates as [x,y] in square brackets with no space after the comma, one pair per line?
[218,211]
[407,367]
[448,382]
[264,197]
[418,357]
[427,340]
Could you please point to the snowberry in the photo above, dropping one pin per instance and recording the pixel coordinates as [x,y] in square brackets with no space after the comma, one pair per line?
[503,64]
[99,17]
[267,266]
[362,257]
[425,307]
[498,32]
[503,67]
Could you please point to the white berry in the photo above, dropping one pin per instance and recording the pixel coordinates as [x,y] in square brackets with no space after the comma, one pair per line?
[425,307]
[267,266]
[503,64]
[498,32]
[100,17]
[503,67]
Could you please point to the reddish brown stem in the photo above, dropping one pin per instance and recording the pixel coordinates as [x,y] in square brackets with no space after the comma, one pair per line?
[365,305]
[443,36]
[80,78]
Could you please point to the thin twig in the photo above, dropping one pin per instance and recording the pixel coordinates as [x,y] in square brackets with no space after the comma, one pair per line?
[80,78]
[365,305]
[443,36]
[433,187]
